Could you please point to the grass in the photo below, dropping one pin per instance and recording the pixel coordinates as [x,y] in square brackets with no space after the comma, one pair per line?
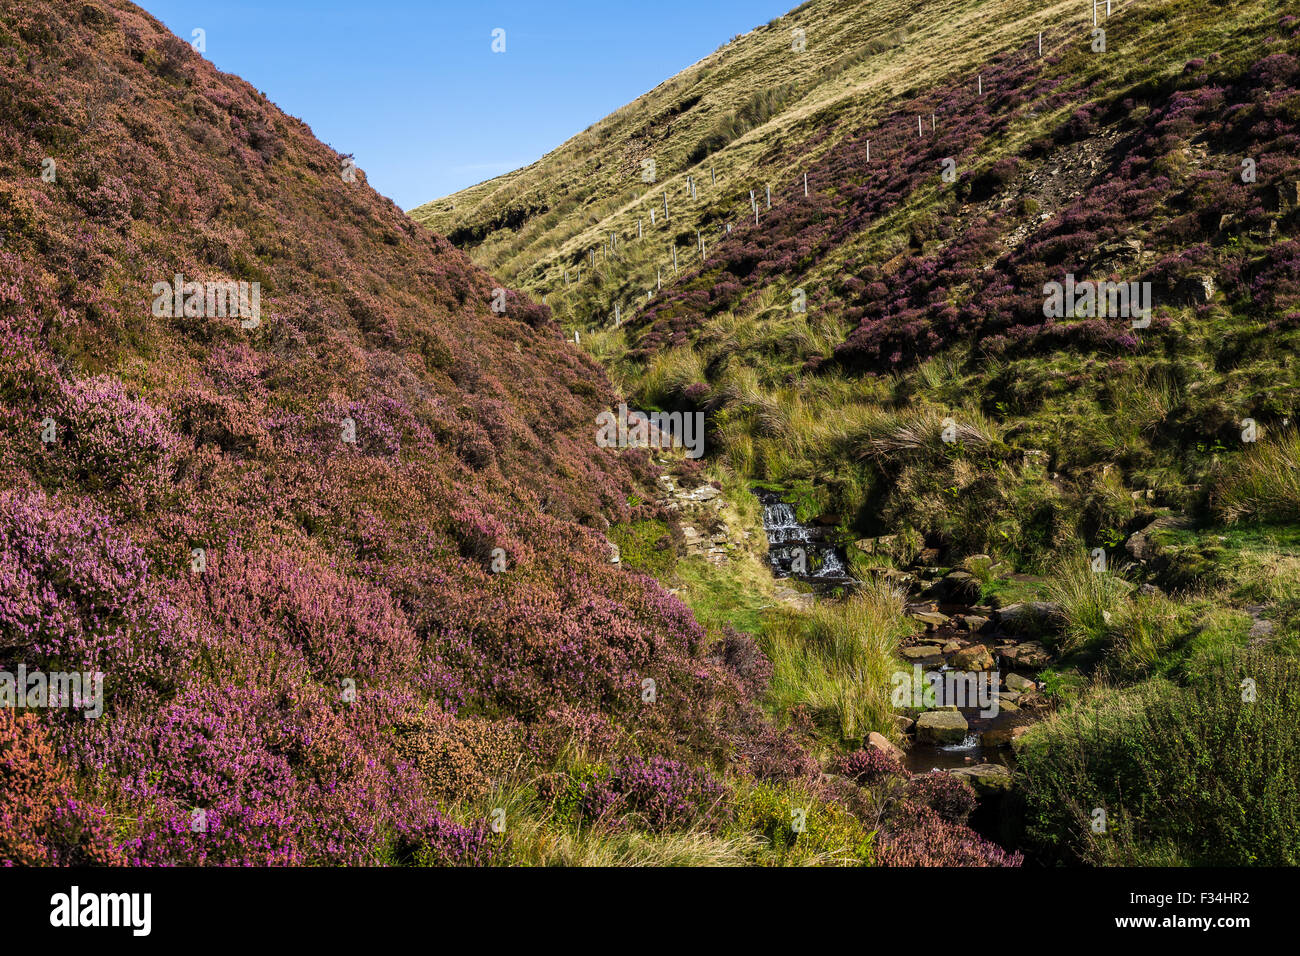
[1089,599]
[837,660]
[1263,483]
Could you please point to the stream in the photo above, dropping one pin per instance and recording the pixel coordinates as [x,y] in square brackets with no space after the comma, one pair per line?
[800,551]
[950,630]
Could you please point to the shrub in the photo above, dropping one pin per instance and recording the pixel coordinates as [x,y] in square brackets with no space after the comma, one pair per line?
[41,823]
[1195,771]
[952,798]
[917,835]
[801,829]
[868,766]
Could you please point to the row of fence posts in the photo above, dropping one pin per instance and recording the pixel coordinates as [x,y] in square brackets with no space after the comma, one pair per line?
[611,245]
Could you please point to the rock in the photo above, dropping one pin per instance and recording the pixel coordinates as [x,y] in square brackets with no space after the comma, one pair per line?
[920,652]
[1029,654]
[905,723]
[1003,736]
[1030,618]
[705,493]
[1139,545]
[1285,196]
[956,587]
[973,658]
[1196,289]
[986,778]
[1018,736]
[952,647]
[973,622]
[928,556]
[976,561]
[878,742]
[1020,684]
[615,555]
[941,727]
[931,619]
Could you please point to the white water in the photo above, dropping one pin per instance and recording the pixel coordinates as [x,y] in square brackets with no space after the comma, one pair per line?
[787,537]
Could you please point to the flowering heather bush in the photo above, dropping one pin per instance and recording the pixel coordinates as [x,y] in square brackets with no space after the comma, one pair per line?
[654,794]
[346,589]
[75,590]
[970,286]
[666,794]
[438,841]
[916,835]
[868,766]
[41,823]
[952,798]
[113,442]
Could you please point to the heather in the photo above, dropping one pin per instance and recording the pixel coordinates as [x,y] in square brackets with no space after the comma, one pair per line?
[280,542]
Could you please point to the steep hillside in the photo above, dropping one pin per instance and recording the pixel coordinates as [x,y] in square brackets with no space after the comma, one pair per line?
[341,561]
[882,347]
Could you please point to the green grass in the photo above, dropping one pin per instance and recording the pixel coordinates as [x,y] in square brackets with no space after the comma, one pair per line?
[837,660]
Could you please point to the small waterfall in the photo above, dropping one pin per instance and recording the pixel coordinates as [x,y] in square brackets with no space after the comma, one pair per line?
[792,545]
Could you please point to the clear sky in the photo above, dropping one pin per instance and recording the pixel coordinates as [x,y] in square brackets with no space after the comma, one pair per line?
[415,92]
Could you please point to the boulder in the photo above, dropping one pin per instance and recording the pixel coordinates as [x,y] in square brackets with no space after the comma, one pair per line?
[986,778]
[879,742]
[931,619]
[1030,618]
[941,727]
[905,723]
[1285,195]
[920,652]
[1030,654]
[1022,685]
[973,622]
[1196,289]
[973,658]
[956,587]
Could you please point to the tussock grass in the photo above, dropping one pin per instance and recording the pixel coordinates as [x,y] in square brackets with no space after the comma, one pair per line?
[837,660]
[1088,599]
[1263,484]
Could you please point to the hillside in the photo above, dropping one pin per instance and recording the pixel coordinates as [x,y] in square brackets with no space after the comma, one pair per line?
[884,352]
[340,558]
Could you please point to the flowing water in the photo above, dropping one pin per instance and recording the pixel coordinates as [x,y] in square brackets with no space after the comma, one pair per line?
[798,550]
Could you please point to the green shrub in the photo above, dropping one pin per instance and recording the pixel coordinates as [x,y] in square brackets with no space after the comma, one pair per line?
[802,829]
[1194,774]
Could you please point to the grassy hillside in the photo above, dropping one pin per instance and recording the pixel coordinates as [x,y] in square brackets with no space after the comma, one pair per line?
[342,562]
[879,350]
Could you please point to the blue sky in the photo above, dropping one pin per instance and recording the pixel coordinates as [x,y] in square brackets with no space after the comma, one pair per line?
[414,91]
